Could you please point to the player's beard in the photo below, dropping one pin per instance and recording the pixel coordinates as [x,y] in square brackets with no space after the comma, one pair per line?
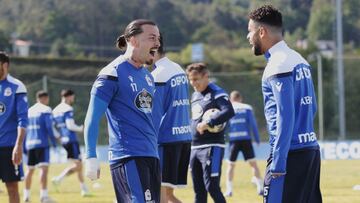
[257,46]
[149,62]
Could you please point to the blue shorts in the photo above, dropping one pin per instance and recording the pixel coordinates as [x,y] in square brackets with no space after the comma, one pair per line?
[73,150]
[137,179]
[300,184]
[174,162]
[8,172]
[38,157]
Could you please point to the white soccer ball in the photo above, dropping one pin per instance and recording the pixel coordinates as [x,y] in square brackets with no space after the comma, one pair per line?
[209,114]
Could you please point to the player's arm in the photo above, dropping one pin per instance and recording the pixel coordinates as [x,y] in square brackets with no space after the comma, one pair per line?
[101,94]
[253,125]
[225,114]
[22,115]
[283,90]
[70,122]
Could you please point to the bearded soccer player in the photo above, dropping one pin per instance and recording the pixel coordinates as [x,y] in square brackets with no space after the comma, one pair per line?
[293,168]
[124,89]
[13,123]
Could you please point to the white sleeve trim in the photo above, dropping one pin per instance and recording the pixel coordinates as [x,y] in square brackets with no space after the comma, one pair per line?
[70,124]
[21,87]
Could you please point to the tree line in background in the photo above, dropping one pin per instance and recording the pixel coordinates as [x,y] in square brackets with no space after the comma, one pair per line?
[81,32]
[68,28]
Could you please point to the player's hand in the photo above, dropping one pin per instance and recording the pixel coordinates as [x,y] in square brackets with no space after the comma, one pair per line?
[201,127]
[92,168]
[17,155]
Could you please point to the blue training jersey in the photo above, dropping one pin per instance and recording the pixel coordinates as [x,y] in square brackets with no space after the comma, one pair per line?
[128,92]
[40,128]
[62,114]
[171,112]
[212,97]
[243,124]
[13,110]
[289,102]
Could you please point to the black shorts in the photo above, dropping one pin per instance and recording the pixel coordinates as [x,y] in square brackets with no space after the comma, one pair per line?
[8,172]
[38,157]
[137,179]
[174,164]
[241,145]
[73,150]
[301,181]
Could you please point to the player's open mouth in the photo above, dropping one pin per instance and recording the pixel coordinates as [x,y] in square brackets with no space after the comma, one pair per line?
[152,52]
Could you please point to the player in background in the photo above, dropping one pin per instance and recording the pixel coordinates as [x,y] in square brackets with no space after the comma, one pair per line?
[64,121]
[171,116]
[293,167]
[240,129]
[13,123]
[124,89]
[207,148]
[39,131]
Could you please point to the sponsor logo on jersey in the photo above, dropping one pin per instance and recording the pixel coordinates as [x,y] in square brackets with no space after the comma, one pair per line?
[179,80]
[303,73]
[196,111]
[149,81]
[307,137]
[181,102]
[143,101]
[306,100]
[7,92]
[2,108]
[181,130]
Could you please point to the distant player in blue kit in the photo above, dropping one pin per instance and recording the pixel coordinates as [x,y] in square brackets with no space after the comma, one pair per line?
[64,120]
[124,89]
[171,115]
[240,129]
[208,142]
[293,168]
[13,123]
[39,132]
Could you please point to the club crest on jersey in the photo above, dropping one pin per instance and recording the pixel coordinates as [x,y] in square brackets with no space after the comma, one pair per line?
[7,92]
[143,101]
[2,108]
[148,80]
[196,111]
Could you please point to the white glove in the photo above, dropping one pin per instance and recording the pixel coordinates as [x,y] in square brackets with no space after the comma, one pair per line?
[92,168]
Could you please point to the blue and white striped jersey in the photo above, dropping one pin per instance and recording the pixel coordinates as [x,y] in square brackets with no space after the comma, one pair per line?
[40,128]
[128,91]
[63,114]
[171,112]
[13,109]
[243,124]
[290,103]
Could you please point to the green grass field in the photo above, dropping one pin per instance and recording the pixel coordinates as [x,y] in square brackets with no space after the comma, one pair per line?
[337,180]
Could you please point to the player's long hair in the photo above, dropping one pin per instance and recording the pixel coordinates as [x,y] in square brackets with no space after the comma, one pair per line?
[133,29]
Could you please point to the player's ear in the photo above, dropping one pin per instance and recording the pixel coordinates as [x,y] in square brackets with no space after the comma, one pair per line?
[263,31]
